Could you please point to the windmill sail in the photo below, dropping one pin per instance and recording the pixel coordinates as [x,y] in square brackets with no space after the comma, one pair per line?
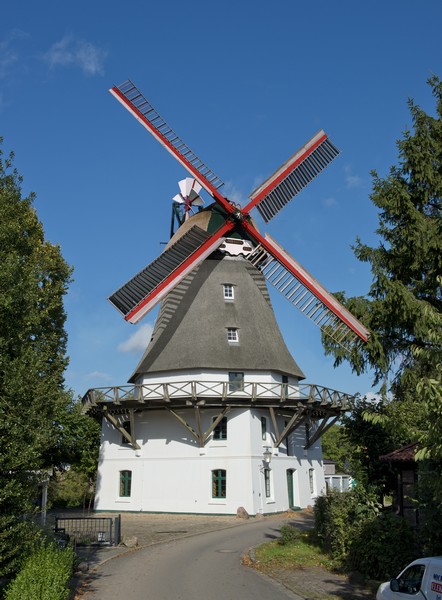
[293,176]
[134,101]
[307,294]
[149,286]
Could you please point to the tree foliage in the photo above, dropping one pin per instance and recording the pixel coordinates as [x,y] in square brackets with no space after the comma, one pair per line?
[33,280]
[336,447]
[403,306]
[75,456]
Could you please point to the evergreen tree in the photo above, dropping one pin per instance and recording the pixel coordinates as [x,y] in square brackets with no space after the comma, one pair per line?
[403,309]
[33,279]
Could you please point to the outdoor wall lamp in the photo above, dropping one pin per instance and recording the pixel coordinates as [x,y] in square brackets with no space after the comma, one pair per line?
[267,455]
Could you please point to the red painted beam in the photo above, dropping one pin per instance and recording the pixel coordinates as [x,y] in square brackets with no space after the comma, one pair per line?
[285,169]
[228,207]
[308,281]
[179,273]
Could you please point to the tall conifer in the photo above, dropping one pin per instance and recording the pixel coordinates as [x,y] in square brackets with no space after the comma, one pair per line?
[403,307]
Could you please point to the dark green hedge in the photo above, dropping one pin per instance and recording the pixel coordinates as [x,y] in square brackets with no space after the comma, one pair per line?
[44,575]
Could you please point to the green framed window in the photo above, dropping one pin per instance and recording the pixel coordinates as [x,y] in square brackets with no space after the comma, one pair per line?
[219,483]
[263,429]
[267,487]
[287,441]
[220,431]
[311,478]
[127,427]
[307,433]
[125,483]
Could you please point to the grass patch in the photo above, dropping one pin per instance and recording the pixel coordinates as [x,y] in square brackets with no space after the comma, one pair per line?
[301,553]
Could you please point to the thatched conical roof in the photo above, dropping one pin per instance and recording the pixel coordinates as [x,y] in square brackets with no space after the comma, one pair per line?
[190,332]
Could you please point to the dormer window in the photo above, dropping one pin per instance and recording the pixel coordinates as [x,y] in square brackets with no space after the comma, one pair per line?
[229,293]
[232,334]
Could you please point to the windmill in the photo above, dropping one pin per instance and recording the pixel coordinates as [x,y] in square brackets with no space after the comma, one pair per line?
[141,293]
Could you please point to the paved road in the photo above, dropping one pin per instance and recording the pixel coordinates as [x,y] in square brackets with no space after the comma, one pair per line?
[203,567]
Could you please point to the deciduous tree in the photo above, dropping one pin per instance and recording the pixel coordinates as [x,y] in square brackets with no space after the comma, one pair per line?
[33,280]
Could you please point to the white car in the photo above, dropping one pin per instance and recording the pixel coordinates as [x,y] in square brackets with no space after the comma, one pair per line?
[422,579]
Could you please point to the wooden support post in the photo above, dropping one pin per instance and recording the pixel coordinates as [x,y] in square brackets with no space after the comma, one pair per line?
[113,421]
[183,422]
[322,428]
[275,424]
[215,423]
[296,420]
[198,427]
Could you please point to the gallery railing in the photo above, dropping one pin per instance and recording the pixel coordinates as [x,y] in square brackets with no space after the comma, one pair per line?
[197,390]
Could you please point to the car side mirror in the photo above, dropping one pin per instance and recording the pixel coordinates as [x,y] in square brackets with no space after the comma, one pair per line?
[394,585]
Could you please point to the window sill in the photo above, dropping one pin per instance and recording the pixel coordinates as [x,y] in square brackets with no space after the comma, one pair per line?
[220,502]
[123,500]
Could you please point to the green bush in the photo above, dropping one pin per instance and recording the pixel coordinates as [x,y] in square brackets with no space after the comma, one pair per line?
[44,575]
[289,535]
[352,530]
[12,552]
[429,491]
[339,515]
[382,547]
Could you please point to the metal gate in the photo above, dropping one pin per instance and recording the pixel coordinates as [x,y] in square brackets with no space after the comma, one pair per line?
[90,531]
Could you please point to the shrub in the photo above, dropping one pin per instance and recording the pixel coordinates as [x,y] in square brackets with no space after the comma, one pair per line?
[12,553]
[44,575]
[339,515]
[382,547]
[289,535]
[429,492]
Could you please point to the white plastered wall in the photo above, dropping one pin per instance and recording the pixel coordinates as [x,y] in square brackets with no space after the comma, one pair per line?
[171,473]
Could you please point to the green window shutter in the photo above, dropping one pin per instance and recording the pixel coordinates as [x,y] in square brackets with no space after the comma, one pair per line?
[125,483]
[219,483]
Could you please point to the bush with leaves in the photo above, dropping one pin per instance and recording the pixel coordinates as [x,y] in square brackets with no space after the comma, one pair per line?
[44,575]
[338,516]
[289,535]
[382,547]
[429,492]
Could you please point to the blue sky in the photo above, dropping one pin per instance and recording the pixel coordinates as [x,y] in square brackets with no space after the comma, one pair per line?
[245,84]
